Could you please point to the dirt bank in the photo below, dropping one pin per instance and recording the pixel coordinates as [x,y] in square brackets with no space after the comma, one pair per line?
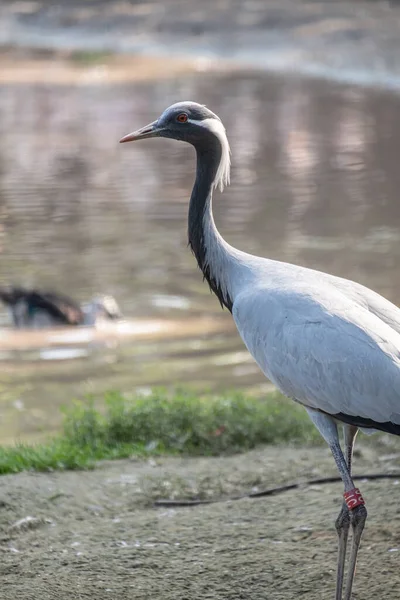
[355,41]
[96,535]
[23,66]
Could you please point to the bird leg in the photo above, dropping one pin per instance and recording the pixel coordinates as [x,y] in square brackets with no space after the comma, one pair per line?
[358,516]
[342,525]
[343,521]
[353,512]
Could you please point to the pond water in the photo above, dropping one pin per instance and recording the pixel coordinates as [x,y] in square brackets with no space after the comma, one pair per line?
[315,181]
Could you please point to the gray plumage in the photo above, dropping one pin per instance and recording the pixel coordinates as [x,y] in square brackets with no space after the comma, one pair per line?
[331,344]
[327,342]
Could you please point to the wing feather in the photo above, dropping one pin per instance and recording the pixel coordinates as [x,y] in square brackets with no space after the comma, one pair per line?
[323,349]
[388,312]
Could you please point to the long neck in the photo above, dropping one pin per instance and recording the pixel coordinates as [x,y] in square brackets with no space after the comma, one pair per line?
[210,249]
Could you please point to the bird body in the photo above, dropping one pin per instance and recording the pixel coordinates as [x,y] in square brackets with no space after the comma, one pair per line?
[320,342]
[329,343]
[39,309]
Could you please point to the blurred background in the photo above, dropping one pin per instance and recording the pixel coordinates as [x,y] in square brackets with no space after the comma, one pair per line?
[308,92]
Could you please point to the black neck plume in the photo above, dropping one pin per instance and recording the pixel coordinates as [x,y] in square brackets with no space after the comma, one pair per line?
[208,160]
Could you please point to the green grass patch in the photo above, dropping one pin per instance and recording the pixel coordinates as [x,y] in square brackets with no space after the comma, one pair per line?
[89,57]
[182,422]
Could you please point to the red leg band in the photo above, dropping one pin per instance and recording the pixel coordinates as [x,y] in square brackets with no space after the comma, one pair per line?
[353,498]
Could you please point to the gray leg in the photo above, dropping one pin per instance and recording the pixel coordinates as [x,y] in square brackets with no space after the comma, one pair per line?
[355,517]
[343,521]
[350,433]
[358,517]
[342,525]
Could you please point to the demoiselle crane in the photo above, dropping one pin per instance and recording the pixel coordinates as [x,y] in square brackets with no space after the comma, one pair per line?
[38,309]
[328,343]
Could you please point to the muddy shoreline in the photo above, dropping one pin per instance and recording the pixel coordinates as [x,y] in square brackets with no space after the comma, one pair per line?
[97,534]
[350,41]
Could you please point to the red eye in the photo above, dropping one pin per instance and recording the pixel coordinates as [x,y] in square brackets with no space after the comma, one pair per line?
[182,118]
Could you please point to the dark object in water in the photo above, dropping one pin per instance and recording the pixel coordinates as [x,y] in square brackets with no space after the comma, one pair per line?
[38,309]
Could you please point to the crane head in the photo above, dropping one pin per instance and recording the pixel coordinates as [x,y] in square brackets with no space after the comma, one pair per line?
[186,121]
[193,123]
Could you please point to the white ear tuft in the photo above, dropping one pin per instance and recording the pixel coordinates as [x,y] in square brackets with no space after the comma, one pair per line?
[222,177]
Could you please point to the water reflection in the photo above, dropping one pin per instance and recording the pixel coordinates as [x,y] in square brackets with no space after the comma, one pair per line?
[315,181]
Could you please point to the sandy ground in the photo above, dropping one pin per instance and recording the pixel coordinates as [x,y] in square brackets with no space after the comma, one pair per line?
[63,68]
[136,329]
[355,41]
[98,535]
